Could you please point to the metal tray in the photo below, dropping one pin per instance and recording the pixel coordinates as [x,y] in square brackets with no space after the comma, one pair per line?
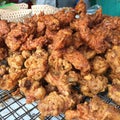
[15,108]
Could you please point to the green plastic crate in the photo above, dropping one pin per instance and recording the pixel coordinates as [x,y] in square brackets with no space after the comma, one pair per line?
[110,7]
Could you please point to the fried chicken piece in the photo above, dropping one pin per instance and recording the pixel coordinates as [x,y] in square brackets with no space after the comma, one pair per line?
[50,35]
[100,65]
[96,39]
[95,18]
[50,22]
[31,89]
[3,70]
[114,93]
[87,52]
[93,84]
[62,39]
[32,44]
[50,88]
[15,38]
[26,54]
[114,36]
[115,78]
[37,64]
[12,25]
[15,60]
[3,53]
[9,81]
[59,64]
[97,36]
[77,40]
[80,8]
[65,16]
[58,80]
[110,22]
[96,109]
[40,28]
[54,104]
[4,27]
[77,60]
[113,58]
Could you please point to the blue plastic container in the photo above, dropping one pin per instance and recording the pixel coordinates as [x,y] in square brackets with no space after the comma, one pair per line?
[110,7]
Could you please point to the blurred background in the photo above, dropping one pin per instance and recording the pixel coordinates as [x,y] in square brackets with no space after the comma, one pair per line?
[111,7]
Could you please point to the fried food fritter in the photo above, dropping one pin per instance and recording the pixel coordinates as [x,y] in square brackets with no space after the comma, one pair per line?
[37,64]
[65,16]
[77,59]
[113,58]
[50,21]
[80,8]
[15,38]
[114,93]
[93,84]
[9,81]
[96,109]
[62,39]
[100,65]
[15,60]
[3,53]
[3,70]
[4,27]
[54,104]
[60,59]
[31,89]
[31,44]
[87,52]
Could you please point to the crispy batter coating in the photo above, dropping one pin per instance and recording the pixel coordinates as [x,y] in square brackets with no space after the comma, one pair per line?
[100,65]
[77,40]
[31,44]
[62,39]
[31,89]
[96,109]
[50,21]
[80,8]
[93,84]
[15,60]
[37,64]
[3,70]
[54,104]
[15,38]
[114,93]
[87,52]
[62,58]
[3,53]
[113,58]
[9,81]
[77,60]
[4,27]
[26,54]
[65,16]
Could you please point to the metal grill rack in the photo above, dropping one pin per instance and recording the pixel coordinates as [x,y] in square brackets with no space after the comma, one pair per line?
[15,108]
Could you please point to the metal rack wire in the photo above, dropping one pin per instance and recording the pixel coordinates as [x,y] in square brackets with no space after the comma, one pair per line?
[15,108]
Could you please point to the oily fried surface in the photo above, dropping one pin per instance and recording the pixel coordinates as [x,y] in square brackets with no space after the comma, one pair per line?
[93,84]
[31,89]
[60,59]
[114,93]
[54,104]
[77,59]
[96,109]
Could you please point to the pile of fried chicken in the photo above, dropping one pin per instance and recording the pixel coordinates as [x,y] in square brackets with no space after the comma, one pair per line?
[57,59]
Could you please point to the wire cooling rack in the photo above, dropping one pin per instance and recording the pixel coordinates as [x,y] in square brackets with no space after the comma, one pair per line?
[15,108]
